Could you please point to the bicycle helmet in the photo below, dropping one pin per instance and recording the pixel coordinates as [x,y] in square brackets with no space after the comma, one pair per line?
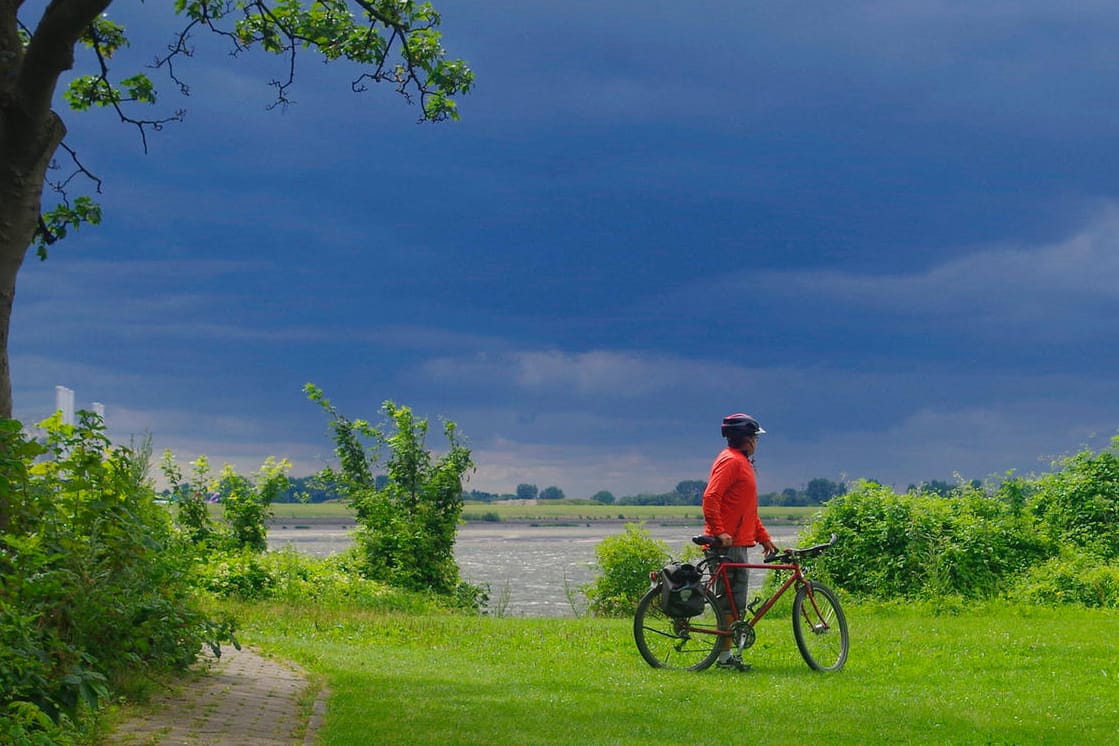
[740,424]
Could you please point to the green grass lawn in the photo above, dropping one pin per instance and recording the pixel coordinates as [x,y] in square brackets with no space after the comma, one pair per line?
[989,674]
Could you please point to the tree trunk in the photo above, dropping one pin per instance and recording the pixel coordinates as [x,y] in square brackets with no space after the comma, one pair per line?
[24,158]
[30,132]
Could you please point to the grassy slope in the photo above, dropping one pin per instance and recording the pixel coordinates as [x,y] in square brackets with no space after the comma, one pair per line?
[989,675]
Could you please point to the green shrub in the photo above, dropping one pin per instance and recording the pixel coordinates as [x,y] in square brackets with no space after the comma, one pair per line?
[192,517]
[1079,503]
[922,545]
[240,574]
[23,724]
[407,517]
[624,563]
[1073,578]
[94,580]
[985,545]
[246,503]
[295,579]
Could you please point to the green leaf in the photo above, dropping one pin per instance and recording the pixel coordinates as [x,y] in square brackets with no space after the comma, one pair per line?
[64,217]
[139,88]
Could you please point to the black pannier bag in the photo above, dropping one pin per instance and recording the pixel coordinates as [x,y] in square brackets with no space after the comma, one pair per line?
[681,590]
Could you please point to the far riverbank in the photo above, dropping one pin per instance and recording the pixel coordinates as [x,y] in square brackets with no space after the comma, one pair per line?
[544,513]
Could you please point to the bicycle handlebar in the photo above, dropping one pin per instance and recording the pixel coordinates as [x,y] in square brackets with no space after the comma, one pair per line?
[784,555]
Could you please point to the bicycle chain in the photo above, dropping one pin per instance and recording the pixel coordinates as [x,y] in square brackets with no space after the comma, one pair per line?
[744,635]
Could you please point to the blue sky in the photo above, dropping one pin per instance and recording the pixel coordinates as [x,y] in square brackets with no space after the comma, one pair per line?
[889,230]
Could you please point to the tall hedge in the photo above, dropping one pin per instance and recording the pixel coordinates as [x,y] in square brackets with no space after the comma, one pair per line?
[1051,538]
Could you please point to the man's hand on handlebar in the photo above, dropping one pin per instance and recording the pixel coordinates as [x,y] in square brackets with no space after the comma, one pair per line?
[769,547]
[724,539]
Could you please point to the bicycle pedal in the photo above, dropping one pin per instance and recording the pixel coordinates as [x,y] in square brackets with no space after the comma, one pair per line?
[734,664]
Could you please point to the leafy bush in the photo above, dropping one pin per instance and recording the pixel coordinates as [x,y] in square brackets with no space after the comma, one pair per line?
[1050,539]
[246,503]
[1079,503]
[923,545]
[408,521]
[983,547]
[1072,578]
[624,563]
[240,574]
[191,515]
[295,579]
[94,579]
[23,724]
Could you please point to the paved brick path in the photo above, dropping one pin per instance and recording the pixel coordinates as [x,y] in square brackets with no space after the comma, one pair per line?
[245,699]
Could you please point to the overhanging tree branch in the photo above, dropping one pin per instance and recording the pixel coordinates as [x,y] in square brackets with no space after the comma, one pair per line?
[55,224]
[102,91]
[394,41]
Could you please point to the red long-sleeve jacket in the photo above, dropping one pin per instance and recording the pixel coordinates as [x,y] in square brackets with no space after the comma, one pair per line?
[730,502]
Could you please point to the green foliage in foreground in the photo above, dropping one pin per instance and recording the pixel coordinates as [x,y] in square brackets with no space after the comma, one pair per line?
[989,673]
[92,579]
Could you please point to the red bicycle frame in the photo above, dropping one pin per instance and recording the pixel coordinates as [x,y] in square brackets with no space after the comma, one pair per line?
[720,574]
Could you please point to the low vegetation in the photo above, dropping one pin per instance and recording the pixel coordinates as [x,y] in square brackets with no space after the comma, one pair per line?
[102,585]
[95,579]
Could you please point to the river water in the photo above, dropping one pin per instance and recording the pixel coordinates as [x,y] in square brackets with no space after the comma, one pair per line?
[532,570]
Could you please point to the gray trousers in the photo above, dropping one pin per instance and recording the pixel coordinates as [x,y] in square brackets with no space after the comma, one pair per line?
[739,577]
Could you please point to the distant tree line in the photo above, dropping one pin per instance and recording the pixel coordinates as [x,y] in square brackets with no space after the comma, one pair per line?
[310,489]
[817,492]
[689,492]
[686,493]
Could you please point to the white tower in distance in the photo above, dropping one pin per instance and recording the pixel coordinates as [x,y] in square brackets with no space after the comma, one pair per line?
[64,402]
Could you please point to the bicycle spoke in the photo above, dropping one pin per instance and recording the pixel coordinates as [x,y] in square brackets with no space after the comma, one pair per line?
[820,627]
[667,642]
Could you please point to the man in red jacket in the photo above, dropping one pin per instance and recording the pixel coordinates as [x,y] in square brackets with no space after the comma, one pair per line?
[730,510]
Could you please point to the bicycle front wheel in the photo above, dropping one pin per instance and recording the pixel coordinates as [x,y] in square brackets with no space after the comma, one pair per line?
[819,626]
[690,643]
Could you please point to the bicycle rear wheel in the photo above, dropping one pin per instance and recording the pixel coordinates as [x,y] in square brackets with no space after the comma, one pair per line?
[819,626]
[690,643]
